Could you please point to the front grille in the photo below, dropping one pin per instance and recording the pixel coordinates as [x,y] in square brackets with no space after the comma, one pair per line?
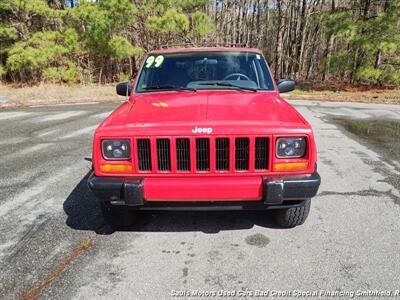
[202,154]
[144,154]
[163,155]
[191,154]
[183,154]
[222,154]
[242,154]
[261,161]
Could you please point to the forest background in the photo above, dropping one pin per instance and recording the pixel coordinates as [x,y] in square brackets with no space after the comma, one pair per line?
[326,44]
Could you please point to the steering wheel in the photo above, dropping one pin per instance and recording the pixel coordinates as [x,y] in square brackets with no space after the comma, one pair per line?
[237,75]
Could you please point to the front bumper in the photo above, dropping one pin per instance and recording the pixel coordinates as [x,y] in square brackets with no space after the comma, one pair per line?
[274,192]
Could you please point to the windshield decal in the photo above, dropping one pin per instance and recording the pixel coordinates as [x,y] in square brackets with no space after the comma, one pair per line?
[154,61]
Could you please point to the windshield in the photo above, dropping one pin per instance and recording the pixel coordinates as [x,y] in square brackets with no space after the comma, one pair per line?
[204,71]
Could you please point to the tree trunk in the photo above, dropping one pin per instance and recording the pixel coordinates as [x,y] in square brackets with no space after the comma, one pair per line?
[329,42]
[278,40]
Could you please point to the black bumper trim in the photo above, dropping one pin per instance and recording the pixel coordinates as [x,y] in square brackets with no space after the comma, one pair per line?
[133,192]
[127,190]
[290,191]
[218,206]
[277,190]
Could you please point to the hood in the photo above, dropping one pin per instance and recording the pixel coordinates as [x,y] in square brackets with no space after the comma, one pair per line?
[211,106]
[206,108]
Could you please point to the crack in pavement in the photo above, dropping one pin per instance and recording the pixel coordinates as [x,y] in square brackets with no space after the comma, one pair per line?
[363,193]
[34,292]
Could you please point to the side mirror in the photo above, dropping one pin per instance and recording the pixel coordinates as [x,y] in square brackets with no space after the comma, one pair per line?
[285,85]
[124,89]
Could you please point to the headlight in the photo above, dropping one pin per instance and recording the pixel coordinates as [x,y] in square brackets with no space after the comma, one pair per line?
[116,149]
[290,147]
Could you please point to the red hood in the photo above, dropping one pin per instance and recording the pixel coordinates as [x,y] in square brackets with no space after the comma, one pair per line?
[206,108]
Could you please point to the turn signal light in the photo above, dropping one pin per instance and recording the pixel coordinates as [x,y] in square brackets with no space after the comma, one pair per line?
[116,168]
[291,166]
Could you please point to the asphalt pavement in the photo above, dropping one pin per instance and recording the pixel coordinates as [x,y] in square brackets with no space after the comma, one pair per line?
[55,244]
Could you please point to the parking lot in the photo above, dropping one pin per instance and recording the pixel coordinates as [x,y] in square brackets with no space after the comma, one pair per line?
[55,244]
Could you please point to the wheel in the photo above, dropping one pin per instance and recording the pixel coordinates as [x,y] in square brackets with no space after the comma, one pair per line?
[292,217]
[237,76]
[117,216]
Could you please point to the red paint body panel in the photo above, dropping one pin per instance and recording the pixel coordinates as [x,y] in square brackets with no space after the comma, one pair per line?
[208,107]
[230,113]
[203,189]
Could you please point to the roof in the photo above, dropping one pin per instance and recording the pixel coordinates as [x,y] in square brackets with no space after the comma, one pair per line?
[199,49]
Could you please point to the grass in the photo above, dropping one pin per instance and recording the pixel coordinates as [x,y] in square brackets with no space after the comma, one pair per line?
[342,92]
[53,94]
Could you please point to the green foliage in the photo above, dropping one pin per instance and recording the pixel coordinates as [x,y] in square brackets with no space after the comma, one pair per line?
[121,12]
[89,33]
[93,23]
[389,74]
[31,7]
[39,51]
[2,70]
[177,22]
[123,77]
[368,74]
[104,24]
[8,36]
[340,24]
[171,22]
[68,73]
[94,40]
[339,63]
[8,33]
[71,40]
[369,39]
[201,24]
[191,4]
[103,40]
[120,47]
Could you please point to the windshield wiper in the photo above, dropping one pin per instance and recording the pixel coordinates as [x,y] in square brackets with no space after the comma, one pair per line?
[227,84]
[169,87]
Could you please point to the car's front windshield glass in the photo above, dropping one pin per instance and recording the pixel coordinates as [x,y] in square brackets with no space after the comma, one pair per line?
[224,70]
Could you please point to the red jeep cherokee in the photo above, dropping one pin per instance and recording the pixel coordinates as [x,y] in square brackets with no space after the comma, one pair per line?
[206,128]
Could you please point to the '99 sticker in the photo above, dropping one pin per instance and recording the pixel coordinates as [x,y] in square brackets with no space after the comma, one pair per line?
[154,61]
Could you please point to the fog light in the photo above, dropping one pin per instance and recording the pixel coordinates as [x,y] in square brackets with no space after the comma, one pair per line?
[291,166]
[116,168]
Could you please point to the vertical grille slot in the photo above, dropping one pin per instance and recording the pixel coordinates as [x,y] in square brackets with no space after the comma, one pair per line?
[163,155]
[261,162]
[144,154]
[203,154]
[222,154]
[242,154]
[183,154]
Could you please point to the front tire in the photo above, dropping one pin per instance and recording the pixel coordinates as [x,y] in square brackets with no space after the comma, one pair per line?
[118,216]
[292,217]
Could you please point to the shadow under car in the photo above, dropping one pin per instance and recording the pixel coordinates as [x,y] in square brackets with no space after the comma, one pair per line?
[84,212]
